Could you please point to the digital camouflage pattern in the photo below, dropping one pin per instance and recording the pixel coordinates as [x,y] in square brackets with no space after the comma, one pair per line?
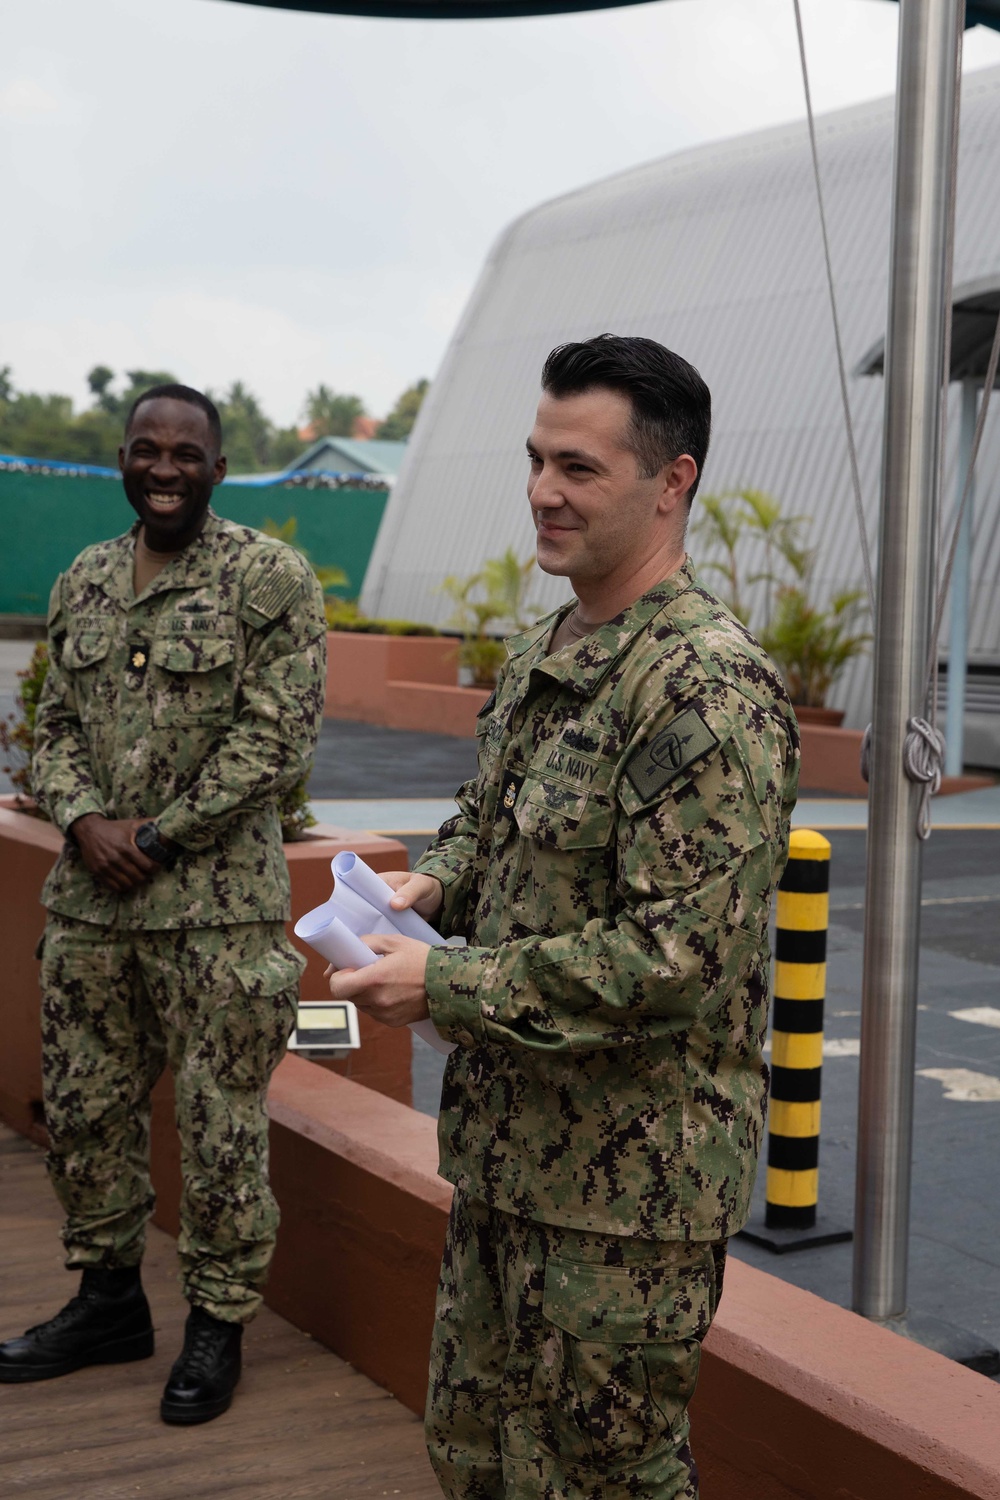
[562,1362]
[218,1005]
[612,868]
[196,704]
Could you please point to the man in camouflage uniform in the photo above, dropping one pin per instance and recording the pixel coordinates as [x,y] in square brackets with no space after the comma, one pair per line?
[183,699]
[612,867]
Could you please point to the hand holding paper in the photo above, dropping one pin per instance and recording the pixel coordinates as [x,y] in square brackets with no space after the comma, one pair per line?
[360,904]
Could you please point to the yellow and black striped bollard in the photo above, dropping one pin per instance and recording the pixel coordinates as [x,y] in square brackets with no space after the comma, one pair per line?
[790,1215]
[797,1034]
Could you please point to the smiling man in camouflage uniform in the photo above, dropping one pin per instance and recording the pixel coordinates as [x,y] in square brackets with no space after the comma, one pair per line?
[611,867]
[184,695]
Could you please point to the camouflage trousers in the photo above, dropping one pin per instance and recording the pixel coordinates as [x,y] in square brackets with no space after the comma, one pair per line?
[218,1005]
[563,1362]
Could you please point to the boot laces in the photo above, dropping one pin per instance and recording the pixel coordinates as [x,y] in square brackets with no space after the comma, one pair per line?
[202,1345]
[66,1316]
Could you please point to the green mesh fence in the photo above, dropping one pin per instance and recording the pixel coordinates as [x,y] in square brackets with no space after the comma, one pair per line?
[45,521]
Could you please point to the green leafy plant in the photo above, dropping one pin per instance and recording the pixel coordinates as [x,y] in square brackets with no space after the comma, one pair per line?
[343,614]
[809,644]
[17,730]
[495,596]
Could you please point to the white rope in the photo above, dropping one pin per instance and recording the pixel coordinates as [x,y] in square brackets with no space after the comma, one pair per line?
[923,762]
[923,744]
[852,447]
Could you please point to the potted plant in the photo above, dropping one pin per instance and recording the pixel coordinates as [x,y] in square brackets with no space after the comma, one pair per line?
[493,596]
[810,647]
[809,644]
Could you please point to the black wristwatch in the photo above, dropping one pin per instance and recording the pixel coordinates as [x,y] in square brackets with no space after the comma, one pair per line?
[147,839]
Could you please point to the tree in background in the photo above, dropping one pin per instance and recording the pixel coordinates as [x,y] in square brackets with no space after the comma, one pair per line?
[330,414]
[47,427]
[399,423]
[99,380]
[245,428]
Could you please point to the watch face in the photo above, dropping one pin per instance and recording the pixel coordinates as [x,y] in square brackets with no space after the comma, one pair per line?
[147,839]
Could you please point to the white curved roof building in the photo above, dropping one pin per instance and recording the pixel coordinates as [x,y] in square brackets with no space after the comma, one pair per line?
[716,252]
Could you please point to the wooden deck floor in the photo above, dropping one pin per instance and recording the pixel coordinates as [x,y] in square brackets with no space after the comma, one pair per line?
[303,1424]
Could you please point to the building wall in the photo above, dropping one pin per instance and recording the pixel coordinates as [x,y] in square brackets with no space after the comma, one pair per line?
[717,253]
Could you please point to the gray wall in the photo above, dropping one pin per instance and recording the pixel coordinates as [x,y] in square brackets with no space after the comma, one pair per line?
[716,252]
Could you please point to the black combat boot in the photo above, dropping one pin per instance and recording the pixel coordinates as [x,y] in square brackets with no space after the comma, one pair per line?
[106,1323]
[203,1380]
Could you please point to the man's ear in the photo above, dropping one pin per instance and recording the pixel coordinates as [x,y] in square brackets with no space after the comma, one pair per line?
[121,459]
[219,471]
[678,477]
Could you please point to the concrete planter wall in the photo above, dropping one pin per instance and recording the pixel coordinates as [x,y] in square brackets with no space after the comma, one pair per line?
[402,682]
[28,849]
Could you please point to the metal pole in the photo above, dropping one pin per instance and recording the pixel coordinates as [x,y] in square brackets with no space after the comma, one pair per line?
[958,637]
[929,40]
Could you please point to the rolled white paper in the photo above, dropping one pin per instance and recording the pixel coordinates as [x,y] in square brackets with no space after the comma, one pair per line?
[359,904]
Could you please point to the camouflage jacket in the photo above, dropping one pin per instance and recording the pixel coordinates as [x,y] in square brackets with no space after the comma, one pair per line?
[612,868]
[196,704]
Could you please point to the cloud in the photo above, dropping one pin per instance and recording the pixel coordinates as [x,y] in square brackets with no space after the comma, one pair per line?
[23,98]
[321,205]
[216,340]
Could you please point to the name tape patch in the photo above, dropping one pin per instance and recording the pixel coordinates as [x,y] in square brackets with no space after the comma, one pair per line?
[653,766]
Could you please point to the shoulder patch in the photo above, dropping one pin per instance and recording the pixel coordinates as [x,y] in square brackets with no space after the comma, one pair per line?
[653,766]
[272,585]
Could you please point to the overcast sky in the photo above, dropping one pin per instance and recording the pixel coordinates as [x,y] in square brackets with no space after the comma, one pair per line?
[231,192]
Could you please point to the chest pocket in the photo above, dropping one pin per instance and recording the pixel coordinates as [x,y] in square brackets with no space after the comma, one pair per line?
[82,654]
[566,875]
[195,680]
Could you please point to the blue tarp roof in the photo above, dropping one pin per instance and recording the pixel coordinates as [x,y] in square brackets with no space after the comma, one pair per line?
[17,463]
[977,12]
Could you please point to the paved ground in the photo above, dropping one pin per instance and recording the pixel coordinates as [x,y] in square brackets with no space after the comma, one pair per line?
[954,1242]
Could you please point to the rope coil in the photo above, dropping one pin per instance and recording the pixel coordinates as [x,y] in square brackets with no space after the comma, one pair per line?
[923,763]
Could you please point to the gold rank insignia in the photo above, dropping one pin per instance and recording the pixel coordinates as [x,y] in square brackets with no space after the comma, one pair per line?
[510,786]
[137,662]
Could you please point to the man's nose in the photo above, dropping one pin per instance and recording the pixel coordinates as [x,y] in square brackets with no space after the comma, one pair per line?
[164,465]
[544,493]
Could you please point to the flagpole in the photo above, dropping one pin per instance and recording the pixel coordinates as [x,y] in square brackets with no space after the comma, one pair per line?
[930,33]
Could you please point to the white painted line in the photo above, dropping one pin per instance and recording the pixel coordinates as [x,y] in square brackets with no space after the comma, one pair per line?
[964,1085]
[842,1046]
[979,1015]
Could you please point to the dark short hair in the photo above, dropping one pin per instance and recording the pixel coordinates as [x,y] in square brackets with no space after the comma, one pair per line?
[180,393]
[671,404]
